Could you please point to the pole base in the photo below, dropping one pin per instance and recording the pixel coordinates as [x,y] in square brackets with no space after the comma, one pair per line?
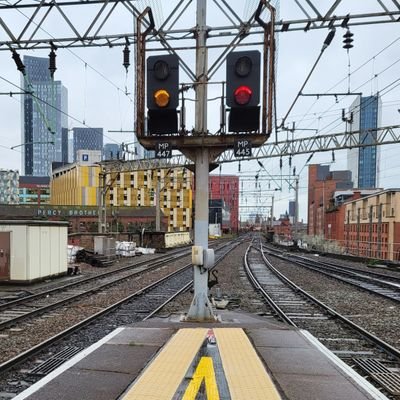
[200,310]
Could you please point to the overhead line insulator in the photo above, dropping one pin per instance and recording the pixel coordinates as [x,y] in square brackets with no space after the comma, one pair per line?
[348,40]
[18,62]
[52,62]
[126,53]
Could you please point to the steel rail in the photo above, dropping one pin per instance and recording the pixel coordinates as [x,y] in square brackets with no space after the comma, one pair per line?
[73,329]
[357,328]
[188,285]
[23,356]
[356,274]
[253,280]
[330,270]
[9,304]
[347,267]
[152,266]
[12,321]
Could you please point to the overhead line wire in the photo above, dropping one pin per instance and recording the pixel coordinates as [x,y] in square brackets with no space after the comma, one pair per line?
[363,84]
[53,106]
[361,107]
[76,55]
[352,72]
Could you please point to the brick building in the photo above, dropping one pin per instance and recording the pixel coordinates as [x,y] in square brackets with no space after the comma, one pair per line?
[372,225]
[322,184]
[335,212]
[283,227]
[34,190]
[226,188]
[85,219]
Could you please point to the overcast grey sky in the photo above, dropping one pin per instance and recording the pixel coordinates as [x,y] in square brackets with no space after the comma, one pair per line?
[97,82]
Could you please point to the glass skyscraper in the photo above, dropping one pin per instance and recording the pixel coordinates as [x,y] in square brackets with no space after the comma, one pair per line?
[87,139]
[363,162]
[44,130]
[112,151]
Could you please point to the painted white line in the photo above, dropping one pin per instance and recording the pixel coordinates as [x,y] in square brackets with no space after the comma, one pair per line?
[358,379]
[39,384]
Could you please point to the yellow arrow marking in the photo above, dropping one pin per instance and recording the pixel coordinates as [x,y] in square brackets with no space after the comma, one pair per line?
[204,370]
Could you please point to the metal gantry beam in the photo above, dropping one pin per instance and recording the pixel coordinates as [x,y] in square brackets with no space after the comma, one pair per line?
[313,144]
[39,14]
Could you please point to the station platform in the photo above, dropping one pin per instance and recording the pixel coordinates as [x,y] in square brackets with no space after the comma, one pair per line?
[242,357]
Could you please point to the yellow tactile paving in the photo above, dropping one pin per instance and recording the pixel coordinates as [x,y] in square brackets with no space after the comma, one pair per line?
[204,371]
[244,371]
[163,376]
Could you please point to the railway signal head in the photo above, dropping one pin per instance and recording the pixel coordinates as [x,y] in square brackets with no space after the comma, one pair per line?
[162,93]
[243,90]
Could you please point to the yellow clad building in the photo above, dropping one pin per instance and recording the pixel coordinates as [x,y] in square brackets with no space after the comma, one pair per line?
[79,185]
[75,185]
[139,188]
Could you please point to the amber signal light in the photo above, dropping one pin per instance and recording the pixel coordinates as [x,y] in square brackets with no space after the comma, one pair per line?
[161,98]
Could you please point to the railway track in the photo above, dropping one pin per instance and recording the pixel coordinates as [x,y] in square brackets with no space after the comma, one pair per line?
[380,284]
[13,312]
[359,348]
[137,306]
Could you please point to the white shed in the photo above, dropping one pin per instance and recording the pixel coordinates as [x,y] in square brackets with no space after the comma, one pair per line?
[32,250]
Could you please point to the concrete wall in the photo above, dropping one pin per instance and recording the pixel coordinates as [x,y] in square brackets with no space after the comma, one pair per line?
[177,239]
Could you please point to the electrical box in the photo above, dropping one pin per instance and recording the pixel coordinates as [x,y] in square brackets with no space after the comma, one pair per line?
[197,255]
[208,258]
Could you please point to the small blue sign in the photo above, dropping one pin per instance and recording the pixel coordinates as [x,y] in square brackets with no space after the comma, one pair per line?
[85,157]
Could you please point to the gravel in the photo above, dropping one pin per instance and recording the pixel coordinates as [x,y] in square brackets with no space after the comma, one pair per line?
[377,315]
[31,332]
[374,313]
[233,283]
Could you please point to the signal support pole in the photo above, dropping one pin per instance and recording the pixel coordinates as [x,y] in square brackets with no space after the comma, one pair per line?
[102,202]
[200,308]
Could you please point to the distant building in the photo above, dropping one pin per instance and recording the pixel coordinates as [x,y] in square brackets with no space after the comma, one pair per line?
[70,149]
[84,220]
[292,208]
[220,214]
[322,183]
[112,151]
[292,211]
[34,190]
[78,185]
[372,226]
[363,162]
[335,212]
[9,186]
[140,152]
[44,134]
[88,157]
[226,188]
[282,228]
[87,139]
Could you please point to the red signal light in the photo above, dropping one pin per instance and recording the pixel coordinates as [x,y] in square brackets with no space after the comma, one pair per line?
[243,95]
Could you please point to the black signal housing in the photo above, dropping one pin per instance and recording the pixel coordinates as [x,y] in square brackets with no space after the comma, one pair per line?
[162,94]
[243,90]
